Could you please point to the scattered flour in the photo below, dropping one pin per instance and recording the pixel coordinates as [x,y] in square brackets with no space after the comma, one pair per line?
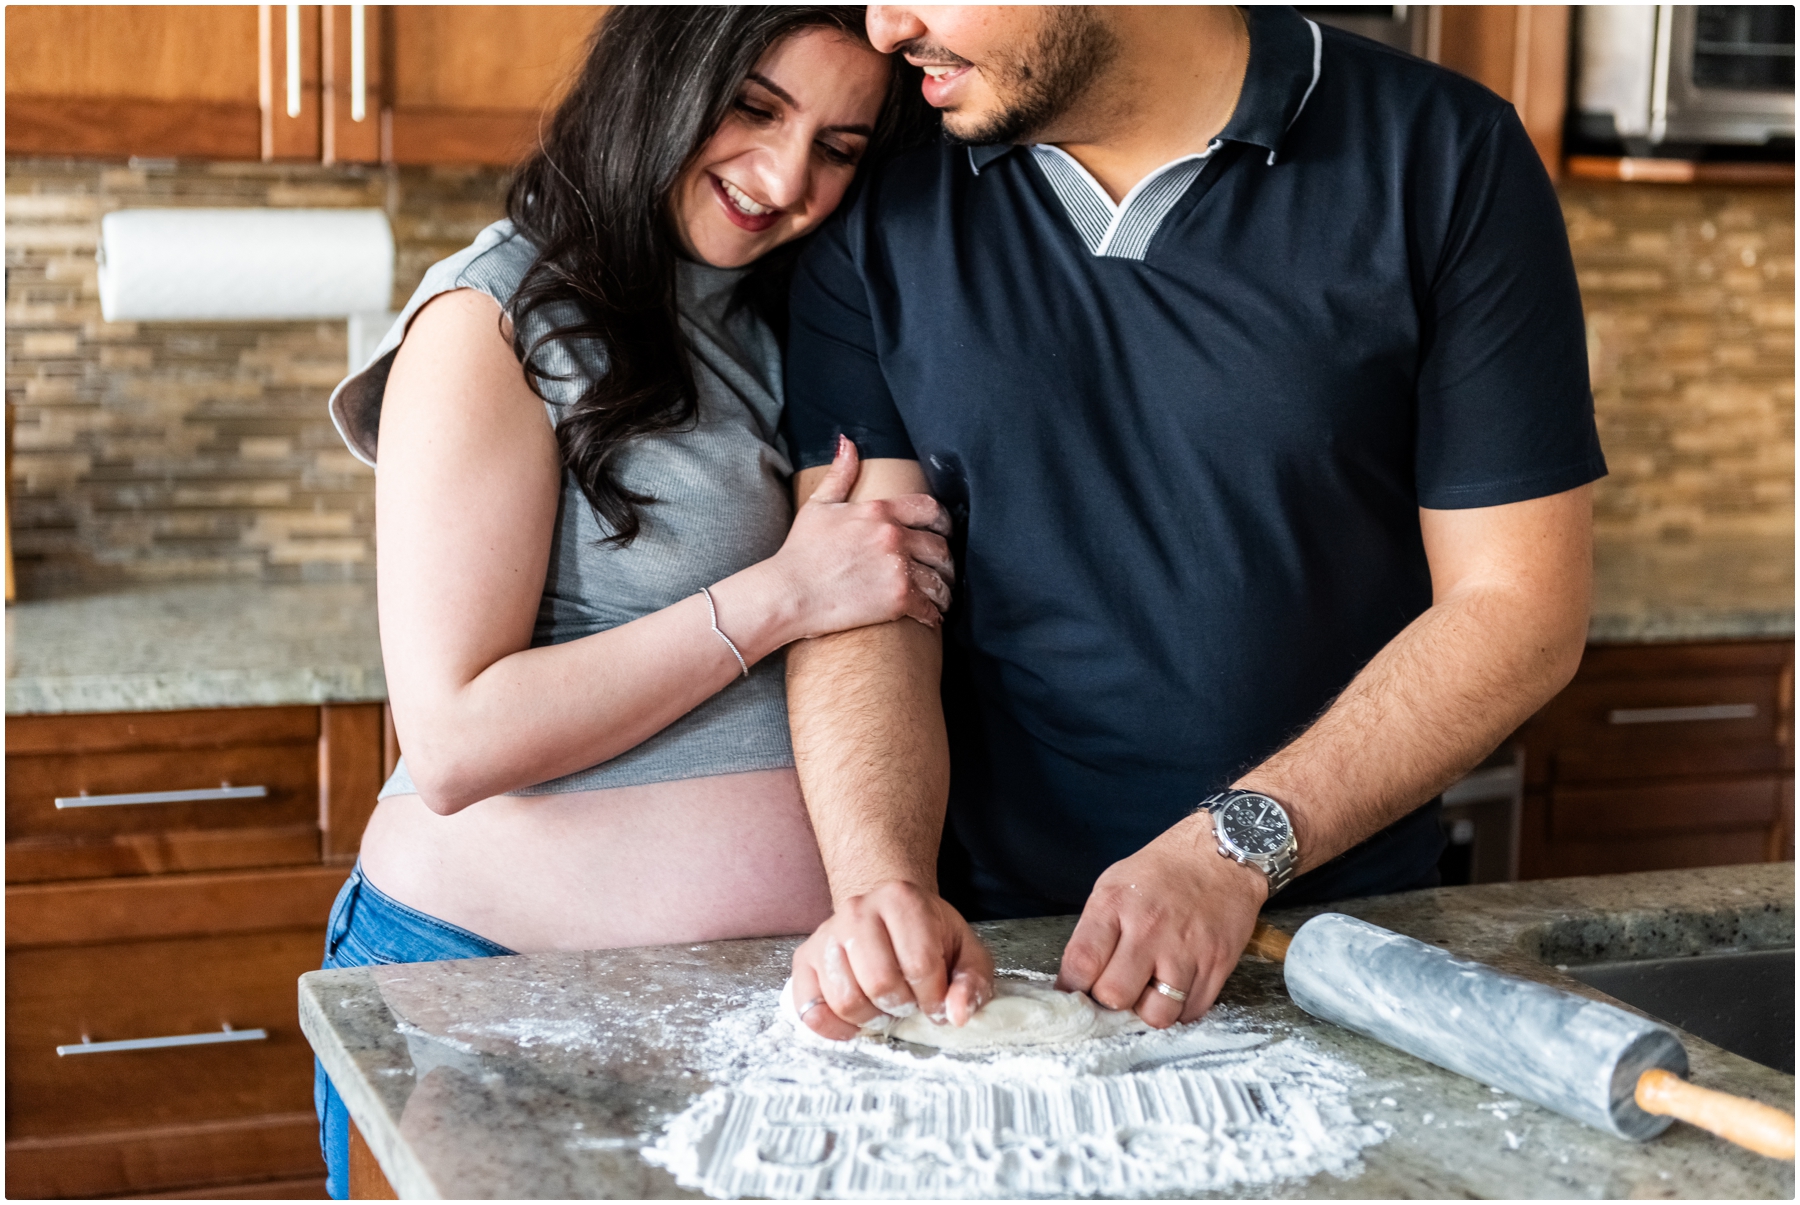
[1196,1108]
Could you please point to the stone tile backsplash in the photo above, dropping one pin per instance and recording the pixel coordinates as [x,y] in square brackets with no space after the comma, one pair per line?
[1689,296]
[161,451]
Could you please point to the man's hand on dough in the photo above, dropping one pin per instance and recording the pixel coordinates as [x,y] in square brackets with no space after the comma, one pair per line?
[1174,911]
[895,950]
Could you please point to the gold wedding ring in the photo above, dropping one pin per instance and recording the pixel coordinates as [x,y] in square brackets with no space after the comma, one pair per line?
[1173,993]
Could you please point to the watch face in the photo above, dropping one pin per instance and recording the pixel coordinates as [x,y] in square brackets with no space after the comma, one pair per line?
[1255,824]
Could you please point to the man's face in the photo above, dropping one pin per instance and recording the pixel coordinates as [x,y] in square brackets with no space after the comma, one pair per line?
[998,73]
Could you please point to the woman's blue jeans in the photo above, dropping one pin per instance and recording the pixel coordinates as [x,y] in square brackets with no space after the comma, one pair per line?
[368,928]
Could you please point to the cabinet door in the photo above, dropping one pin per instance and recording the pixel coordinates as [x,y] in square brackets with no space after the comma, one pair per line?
[151,792]
[352,65]
[290,94]
[142,962]
[1658,757]
[469,83]
[154,792]
[1520,51]
[117,80]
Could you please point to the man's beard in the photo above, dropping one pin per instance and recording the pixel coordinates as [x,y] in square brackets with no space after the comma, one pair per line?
[1073,48]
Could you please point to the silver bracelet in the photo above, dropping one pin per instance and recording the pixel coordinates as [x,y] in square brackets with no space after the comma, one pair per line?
[721,635]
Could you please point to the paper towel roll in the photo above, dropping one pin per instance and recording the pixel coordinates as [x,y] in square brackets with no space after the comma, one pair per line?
[206,265]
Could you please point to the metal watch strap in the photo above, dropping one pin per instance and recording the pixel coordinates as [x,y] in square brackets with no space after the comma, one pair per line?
[1279,867]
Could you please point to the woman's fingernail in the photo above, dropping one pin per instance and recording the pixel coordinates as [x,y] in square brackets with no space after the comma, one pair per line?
[843,444]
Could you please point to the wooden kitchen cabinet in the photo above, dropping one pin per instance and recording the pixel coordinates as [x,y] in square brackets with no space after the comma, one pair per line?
[117,80]
[1520,51]
[271,786]
[74,785]
[1658,757]
[459,84]
[148,920]
[439,84]
[471,83]
[165,81]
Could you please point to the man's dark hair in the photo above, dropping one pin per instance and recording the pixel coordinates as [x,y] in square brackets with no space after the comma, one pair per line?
[595,201]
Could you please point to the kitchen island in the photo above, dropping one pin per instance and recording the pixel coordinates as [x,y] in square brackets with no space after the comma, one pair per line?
[490,1078]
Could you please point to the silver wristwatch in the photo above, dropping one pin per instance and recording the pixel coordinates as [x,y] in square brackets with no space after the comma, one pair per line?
[1254,830]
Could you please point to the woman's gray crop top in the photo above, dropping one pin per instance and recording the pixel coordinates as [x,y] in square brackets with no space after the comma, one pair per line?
[722,504]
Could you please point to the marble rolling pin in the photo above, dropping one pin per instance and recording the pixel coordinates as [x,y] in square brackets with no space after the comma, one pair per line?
[1590,1061]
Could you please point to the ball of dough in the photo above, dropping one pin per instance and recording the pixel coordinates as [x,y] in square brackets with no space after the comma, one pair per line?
[1020,1014]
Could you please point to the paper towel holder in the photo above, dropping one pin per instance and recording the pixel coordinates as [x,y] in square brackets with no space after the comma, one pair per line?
[364,333]
[250,265]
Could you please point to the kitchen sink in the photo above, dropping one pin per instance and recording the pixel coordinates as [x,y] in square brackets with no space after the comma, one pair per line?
[1742,1001]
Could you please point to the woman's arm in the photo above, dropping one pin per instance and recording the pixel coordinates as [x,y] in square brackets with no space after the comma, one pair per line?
[466,501]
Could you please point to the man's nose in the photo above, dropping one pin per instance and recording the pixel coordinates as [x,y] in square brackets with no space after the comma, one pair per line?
[892,24]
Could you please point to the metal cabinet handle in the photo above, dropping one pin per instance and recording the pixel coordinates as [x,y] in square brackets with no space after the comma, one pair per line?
[359,73]
[293,59]
[199,795]
[1660,64]
[1681,715]
[225,1034]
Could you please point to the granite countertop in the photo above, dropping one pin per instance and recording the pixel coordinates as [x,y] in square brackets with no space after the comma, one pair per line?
[1647,591]
[212,644]
[489,1078]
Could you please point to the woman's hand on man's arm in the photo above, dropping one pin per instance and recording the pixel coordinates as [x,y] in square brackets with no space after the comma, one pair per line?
[850,564]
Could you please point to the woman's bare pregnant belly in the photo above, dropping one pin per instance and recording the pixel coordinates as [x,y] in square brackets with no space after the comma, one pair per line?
[695,860]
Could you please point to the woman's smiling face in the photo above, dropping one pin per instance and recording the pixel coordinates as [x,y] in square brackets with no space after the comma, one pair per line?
[780,161]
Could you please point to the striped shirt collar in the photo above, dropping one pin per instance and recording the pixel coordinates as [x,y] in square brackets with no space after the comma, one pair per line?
[1286,50]
[1122,231]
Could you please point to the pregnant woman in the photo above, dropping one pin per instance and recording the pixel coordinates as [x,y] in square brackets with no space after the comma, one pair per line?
[588,559]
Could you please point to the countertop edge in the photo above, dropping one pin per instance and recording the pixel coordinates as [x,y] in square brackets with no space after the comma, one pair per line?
[373,1119]
[100,693]
[1676,627]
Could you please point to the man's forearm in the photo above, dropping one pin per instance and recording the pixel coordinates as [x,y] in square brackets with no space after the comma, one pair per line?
[1423,712]
[870,749]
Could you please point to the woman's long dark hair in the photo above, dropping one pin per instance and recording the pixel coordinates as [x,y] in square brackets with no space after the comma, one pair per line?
[595,201]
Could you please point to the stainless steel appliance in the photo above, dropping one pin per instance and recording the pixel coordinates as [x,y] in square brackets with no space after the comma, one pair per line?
[1665,75]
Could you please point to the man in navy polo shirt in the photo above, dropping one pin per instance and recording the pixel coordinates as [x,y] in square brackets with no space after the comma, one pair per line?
[1248,358]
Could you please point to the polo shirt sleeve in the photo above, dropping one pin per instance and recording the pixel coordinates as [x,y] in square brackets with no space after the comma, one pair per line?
[834,381]
[1505,412]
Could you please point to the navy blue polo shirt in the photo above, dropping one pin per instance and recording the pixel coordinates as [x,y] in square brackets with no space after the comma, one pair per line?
[1185,445]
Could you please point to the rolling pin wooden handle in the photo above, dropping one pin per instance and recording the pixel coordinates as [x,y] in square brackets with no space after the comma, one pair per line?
[1267,941]
[1754,1126]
